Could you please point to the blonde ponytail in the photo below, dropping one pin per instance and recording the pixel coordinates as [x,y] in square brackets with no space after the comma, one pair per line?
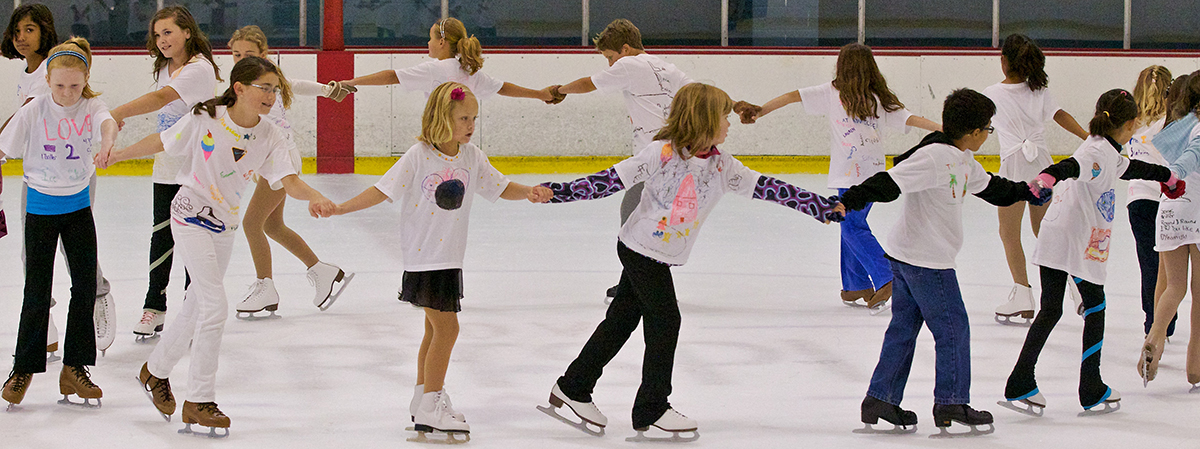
[467,49]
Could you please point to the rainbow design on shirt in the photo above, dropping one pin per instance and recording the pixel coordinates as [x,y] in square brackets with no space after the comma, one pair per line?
[207,144]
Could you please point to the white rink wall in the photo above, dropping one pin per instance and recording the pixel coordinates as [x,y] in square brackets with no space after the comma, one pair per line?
[387,119]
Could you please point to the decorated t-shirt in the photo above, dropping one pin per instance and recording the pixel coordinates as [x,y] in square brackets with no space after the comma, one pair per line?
[218,159]
[32,84]
[1077,229]
[433,238]
[194,82]
[426,76]
[56,143]
[935,181]
[856,148]
[1021,116]
[1141,148]
[679,195]
[648,85]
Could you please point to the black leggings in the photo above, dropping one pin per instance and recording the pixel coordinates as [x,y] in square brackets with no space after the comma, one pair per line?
[1143,220]
[78,233]
[162,247]
[1092,389]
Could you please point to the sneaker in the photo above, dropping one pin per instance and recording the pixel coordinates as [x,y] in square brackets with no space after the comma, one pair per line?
[1020,303]
[261,296]
[673,421]
[16,386]
[586,411]
[159,391]
[104,315]
[205,414]
[75,380]
[323,277]
[151,322]
[434,414]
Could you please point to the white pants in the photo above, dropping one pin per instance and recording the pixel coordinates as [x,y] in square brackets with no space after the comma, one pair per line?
[200,322]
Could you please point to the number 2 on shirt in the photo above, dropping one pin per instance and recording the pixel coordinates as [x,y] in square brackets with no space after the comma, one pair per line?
[70,150]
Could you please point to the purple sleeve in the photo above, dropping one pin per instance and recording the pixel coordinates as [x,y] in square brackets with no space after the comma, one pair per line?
[589,187]
[776,191]
[3,225]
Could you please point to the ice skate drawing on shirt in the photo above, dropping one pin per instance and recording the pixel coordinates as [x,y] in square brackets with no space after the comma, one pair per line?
[206,220]
[1097,248]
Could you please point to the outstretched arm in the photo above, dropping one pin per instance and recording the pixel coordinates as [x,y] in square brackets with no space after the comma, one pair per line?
[879,188]
[923,123]
[778,102]
[515,91]
[1003,192]
[779,192]
[535,194]
[318,205]
[590,187]
[579,86]
[381,78]
[367,198]
[108,138]
[144,104]
[149,145]
[1067,122]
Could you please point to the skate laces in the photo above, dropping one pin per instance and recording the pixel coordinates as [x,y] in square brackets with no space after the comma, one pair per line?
[210,408]
[81,376]
[147,317]
[18,380]
[256,288]
[161,387]
[312,277]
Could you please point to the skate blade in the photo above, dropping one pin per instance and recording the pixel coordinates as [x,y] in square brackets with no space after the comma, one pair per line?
[1008,321]
[52,357]
[165,416]
[581,425]
[87,403]
[440,437]
[1144,366]
[13,408]
[1103,409]
[329,301]
[250,316]
[143,339]
[878,309]
[212,432]
[897,430]
[1195,389]
[974,432]
[1030,409]
[676,437]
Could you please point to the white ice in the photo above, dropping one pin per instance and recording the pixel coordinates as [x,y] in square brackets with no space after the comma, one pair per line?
[768,356]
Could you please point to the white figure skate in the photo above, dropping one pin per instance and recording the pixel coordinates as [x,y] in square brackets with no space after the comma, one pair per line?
[1110,403]
[585,411]
[261,296]
[435,418]
[149,326]
[323,277]
[1073,293]
[104,316]
[1032,404]
[1019,305]
[682,429]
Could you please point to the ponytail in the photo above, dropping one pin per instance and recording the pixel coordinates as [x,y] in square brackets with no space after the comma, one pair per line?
[1025,60]
[1150,93]
[467,49]
[1114,109]
[245,72]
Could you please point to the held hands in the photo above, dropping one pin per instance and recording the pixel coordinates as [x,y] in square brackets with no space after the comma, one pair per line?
[103,158]
[321,207]
[338,90]
[540,194]
[749,112]
[1174,187]
[1041,184]
[556,97]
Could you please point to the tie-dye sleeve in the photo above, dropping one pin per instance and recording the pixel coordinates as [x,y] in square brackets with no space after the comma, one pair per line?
[590,187]
[776,191]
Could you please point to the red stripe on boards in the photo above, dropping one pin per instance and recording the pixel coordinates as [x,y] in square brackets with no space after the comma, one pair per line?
[335,121]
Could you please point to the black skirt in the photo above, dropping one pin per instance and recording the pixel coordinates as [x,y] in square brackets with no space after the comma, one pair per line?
[438,290]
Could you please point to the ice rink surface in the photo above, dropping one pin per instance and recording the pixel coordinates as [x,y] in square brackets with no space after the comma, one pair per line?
[768,356]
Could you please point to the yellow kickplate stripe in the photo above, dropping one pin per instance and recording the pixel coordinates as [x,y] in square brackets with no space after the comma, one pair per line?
[516,165]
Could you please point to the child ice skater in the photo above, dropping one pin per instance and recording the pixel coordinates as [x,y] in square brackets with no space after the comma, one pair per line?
[56,135]
[685,175]
[860,107]
[437,180]
[185,75]
[1179,143]
[648,84]
[222,144]
[1074,243]
[935,177]
[264,214]
[1023,106]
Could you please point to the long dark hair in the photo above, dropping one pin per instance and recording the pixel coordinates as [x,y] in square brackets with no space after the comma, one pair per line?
[1114,108]
[1025,60]
[860,86]
[196,45]
[247,70]
[39,14]
[1176,109]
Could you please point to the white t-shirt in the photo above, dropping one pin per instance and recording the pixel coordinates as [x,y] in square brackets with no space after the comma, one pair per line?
[649,85]
[1021,116]
[56,143]
[1077,228]
[1141,148]
[426,76]
[432,238]
[278,114]
[935,181]
[678,197]
[32,84]
[194,82]
[218,159]
[856,150]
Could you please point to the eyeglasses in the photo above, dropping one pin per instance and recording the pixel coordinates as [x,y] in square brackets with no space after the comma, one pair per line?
[268,89]
[990,129]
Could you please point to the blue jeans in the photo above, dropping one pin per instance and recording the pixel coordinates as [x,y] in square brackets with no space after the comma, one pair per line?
[923,295]
[863,263]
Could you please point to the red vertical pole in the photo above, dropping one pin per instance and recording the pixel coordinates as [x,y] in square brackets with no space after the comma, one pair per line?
[335,121]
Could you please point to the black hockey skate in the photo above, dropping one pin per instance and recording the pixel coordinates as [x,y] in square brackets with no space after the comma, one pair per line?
[873,410]
[945,415]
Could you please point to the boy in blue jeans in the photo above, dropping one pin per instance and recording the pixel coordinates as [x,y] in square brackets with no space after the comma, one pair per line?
[935,177]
